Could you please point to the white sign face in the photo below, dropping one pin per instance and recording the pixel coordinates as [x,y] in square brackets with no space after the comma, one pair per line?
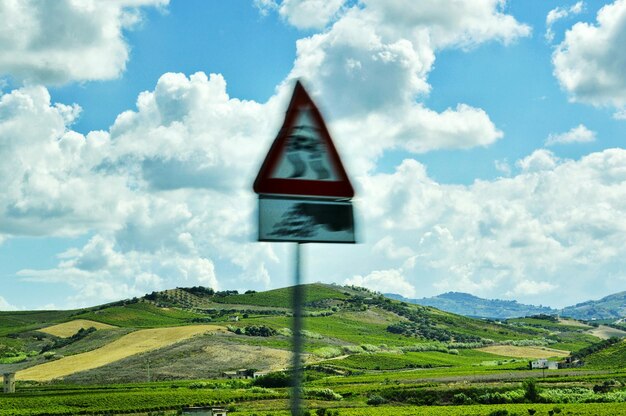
[305,220]
[305,156]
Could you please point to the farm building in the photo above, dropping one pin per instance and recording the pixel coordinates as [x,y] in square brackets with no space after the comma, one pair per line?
[544,363]
[241,373]
[9,382]
[204,411]
[570,362]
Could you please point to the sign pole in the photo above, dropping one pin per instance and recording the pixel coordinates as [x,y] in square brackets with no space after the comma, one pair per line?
[298,301]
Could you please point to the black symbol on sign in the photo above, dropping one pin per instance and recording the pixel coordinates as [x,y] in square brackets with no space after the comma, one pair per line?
[304,220]
[306,139]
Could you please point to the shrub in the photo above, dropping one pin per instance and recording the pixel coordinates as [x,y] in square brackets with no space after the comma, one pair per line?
[462,398]
[324,394]
[531,392]
[270,380]
[376,400]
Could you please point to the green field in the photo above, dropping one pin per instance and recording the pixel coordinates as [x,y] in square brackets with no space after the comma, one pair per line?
[282,297]
[365,355]
[139,315]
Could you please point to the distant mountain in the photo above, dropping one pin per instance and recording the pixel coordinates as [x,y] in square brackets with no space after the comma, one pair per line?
[609,307]
[470,305]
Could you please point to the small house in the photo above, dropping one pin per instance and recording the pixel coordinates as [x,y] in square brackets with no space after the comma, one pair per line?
[241,373]
[9,382]
[540,363]
[204,411]
[570,362]
[544,363]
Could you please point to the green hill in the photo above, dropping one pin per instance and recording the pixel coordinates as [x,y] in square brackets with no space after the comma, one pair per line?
[362,329]
[470,305]
[610,307]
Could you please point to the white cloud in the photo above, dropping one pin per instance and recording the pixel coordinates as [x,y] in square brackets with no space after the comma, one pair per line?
[530,288]
[466,24]
[554,218]
[55,42]
[56,189]
[589,63]
[371,67]
[503,166]
[620,114]
[98,272]
[578,134]
[306,14]
[384,281]
[6,306]
[164,193]
[265,6]
[538,161]
[559,13]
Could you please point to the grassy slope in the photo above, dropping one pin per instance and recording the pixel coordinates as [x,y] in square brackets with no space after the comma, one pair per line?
[15,322]
[611,357]
[394,361]
[359,318]
[139,315]
[282,297]
[131,344]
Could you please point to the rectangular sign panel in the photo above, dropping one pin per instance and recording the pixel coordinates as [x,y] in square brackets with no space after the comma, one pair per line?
[305,220]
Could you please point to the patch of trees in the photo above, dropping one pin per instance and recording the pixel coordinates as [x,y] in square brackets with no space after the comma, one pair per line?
[62,342]
[420,325]
[198,290]
[254,330]
[423,330]
[545,317]
[224,293]
[273,380]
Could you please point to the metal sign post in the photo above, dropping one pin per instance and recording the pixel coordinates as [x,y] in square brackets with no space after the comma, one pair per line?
[298,301]
[304,197]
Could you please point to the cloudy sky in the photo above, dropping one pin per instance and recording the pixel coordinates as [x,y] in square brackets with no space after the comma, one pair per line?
[485,140]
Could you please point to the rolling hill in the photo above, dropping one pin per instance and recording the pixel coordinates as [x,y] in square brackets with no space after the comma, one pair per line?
[470,305]
[346,329]
[609,307]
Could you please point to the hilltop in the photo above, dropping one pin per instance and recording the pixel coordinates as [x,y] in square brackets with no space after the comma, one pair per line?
[470,305]
[202,333]
[609,307]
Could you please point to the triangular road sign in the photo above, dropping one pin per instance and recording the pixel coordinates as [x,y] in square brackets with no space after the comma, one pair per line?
[303,160]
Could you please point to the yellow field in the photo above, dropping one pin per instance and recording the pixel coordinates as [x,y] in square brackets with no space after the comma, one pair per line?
[606,332]
[524,352]
[573,322]
[131,344]
[68,329]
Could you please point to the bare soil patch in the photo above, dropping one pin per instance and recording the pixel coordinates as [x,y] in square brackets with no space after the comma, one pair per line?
[524,352]
[606,332]
[67,329]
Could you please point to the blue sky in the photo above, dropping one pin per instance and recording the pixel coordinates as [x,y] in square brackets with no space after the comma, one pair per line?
[484,138]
